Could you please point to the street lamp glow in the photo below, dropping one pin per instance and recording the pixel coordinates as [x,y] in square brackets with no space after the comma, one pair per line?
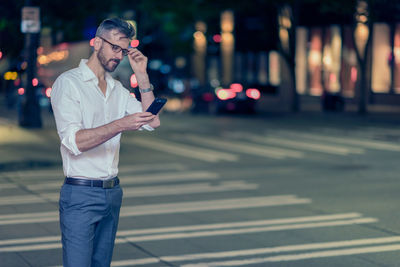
[133,80]
[253,93]
[48,92]
[135,43]
[35,82]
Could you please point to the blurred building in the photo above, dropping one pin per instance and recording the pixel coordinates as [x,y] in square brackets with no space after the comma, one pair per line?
[326,64]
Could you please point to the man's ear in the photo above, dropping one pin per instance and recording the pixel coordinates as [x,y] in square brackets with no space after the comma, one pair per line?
[97,43]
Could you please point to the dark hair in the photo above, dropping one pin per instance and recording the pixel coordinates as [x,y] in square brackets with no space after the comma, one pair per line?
[118,24]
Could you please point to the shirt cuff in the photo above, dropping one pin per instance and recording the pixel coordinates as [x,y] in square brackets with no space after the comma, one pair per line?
[69,142]
[146,127]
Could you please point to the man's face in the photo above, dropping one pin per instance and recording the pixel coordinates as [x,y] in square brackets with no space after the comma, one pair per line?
[111,42]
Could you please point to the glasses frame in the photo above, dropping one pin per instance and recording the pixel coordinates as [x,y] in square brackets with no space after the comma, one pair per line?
[116,48]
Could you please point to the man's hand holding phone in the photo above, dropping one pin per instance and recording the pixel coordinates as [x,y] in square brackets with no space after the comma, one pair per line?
[134,121]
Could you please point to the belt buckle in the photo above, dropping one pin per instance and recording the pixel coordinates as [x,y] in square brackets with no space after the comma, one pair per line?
[108,183]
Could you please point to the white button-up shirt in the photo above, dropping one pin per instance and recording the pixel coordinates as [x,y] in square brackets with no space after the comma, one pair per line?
[78,103]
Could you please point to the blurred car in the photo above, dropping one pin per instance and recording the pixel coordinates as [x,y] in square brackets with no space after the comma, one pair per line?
[42,94]
[236,99]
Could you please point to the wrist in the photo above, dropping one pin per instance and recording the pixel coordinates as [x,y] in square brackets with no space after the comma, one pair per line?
[143,90]
[119,126]
[142,80]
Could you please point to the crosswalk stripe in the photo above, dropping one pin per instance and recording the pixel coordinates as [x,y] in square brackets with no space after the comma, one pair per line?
[242,147]
[249,230]
[152,167]
[296,144]
[4,186]
[214,226]
[302,256]
[267,250]
[14,134]
[183,150]
[144,191]
[337,150]
[371,144]
[142,179]
[191,231]
[168,208]
[57,173]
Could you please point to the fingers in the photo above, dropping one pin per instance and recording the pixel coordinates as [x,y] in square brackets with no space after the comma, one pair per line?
[136,54]
[144,117]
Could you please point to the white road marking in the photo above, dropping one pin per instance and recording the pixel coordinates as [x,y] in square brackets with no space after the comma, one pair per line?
[191,231]
[10,134]
[4,186]
[48,173]
[371,144]
[58,173]
[302,256]
[168,208]
[249,230]
[246,262]
[242,224]
[297,144]
[337,150]
[268,250]
[183,150]
[248,148]
[151,167]
[144,191]
[142,179]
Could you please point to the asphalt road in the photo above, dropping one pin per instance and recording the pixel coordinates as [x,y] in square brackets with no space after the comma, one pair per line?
[222,191]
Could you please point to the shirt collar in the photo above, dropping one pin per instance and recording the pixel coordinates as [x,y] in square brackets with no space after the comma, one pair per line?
[88,74]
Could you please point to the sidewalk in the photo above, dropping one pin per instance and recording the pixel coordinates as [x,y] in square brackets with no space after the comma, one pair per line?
[22,148]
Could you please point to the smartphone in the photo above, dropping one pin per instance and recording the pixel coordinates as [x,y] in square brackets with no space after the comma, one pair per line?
[157,105]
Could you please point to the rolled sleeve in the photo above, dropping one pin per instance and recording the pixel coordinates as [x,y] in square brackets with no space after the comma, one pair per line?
[146,127]
[69,142]
[66,107]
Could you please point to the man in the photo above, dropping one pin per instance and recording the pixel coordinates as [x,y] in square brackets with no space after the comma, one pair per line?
[91,110]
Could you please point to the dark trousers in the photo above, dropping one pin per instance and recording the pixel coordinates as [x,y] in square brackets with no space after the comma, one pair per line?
[88,221]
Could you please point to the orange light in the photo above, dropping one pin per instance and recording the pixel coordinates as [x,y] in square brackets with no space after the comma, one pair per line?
[135,43]
[91,42]
[39,51]
[35,82]
[10,75]
[134,83]
[21,91]
[236,87]
[48,92]
[332,77]
[225,94]
[353,74]
[24,65]
[253,93]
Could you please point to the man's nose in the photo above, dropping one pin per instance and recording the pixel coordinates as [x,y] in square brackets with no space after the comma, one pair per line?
[120,56]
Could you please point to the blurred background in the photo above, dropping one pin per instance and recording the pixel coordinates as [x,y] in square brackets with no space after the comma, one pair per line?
[214,56]
[279,143]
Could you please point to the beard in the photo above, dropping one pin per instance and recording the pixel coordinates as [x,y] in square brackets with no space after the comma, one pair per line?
[109,65]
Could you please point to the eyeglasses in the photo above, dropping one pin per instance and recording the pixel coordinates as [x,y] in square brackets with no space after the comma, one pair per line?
[116,48]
